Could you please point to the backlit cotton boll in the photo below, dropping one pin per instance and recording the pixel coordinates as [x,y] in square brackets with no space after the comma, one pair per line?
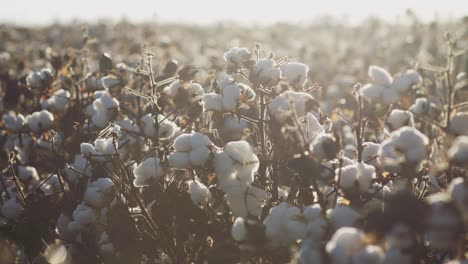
[375,93]
[57,102]
[236,57]
[40,121]
[150,170]
[167,128]
[191,150]
[359,175]
[28,174]
[13,122]
[294,72]
[344,244]
[399,118]
[458,152]
[99,193]
[233,94]
[380,76]
[104,109]
[39,80]
[266,72]
[459,124]
[280,110]
[245,201]
[198,192]
[405,81]
[370,153]
[405,145]
[422,106]
[102,150]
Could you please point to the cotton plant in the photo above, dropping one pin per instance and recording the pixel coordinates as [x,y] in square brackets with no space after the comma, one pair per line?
[103,149]
[40,121]
[311,246]
[233,94]
[386,89]
[57,102]
[191,151]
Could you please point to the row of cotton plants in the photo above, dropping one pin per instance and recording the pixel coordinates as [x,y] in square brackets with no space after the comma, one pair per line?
[249,165]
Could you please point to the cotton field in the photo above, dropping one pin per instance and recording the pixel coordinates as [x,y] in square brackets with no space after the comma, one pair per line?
[167,143]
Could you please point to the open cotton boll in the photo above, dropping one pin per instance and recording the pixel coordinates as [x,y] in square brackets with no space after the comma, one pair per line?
[57,102]
[245,200]
[280,109]
[236,56]
[191,150]
[40,121]
[12,209]
[372,92]
[198,192]
[150,170]
[317,225]
[102,150]
[324,146]
[129,131]
[399,118]
[84,215]
[405,81]
[311,127]
[342,216]
[167,128]
[40,79]
[370,153]
[294,72]
[458,190]
[380,76]
[28,174]
[235,127]
[13,122]
[245,162]
[81,164]
[94,197]
[370,254]
[266,72]
[360,175]
[344,243]
[213,102]
[239,230]
[459,124]
[458,152]
[52,185]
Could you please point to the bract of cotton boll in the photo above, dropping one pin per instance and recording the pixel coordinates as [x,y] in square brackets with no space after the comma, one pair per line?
[370,153]
[380,76]
[405,145]
[344,244]
[459,124]
[58,102]
[236,57]
[12,208]
[40,79]
[28,174]
[40,121]
[458,152]
[198,192]
[245,201]
[284,225]
[324,146]
[458,190]
[405,81]
[370,254]
[443,223]
[191,150]
[279,107]
[239,230]
[342,216]
[399,118]
[294,72]
[266,72]
[13,122]
[150,170]
[359,175]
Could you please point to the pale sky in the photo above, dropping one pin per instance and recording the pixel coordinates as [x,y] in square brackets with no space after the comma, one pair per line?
[40,12]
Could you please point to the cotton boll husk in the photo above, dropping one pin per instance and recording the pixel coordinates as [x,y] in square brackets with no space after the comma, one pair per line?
[342,216]
[213,102]
[459,124]
[198,192]
[405,81]
[380,76]
[12,209]
[239,230]
[399,118]
[370,254]
[344,243]
[179,160]
[294,72]
[183,143]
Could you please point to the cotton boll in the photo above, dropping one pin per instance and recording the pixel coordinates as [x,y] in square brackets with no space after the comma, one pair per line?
[405,81]
[399,118]
[370,254]
[213,102]
[183,143]
[370,153]
[198,192]
[458,152]
[239,230]
[57,102]
[360,175]
[40,121]
[310,252]
[422,106]
[294,72]
[199,156]
[87,149]
[198,140]
[235,127]
[344,243]
[324,146]
[266,72]
[372,92]
[84,215]
[380,76]
[400,236]
[225,174]
[279,107]
[342,216]
[459,124]
[311,127]
[179,160]
[236,56]
[94,197]
[147,171]
[390,96]
[28,174]
[14,122]
[12,209]
[39,80]
[458,190]
[245,200]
